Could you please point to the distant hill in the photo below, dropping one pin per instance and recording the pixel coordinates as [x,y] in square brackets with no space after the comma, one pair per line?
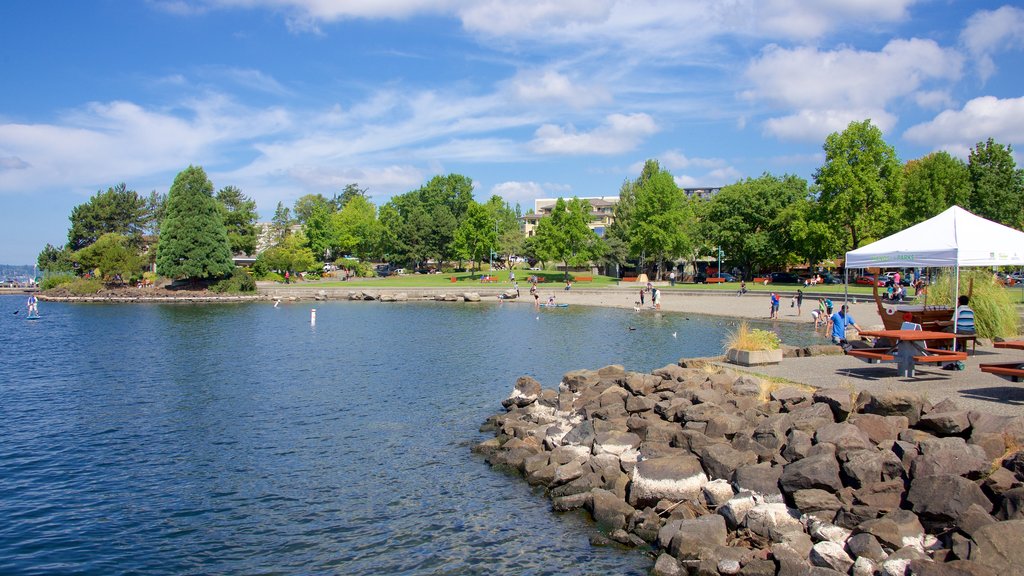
[16,272]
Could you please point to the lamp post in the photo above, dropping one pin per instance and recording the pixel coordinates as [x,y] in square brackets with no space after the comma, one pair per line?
[719,261]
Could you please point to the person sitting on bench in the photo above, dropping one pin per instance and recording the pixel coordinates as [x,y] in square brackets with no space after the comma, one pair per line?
[963,318]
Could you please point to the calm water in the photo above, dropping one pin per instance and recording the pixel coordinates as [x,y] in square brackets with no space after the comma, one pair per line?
[238,439]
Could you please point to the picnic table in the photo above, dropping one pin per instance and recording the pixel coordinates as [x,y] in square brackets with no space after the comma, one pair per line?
[907,348]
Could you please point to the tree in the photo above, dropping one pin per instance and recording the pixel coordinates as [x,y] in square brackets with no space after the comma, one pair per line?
[306,205]
[154,213]
[320,231]
[356,230]
[509,234]
[239,214]
[351,191]
[997,185]
[117,210]
[291,255]
[661,218]
[933,184]
[454,191]
[860,184]
[53,259]
[193,239]
[113,255]
[282,222]
[748,220]
[477,234]
[567,236]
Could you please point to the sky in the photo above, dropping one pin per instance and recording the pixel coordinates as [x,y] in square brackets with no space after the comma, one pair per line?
[529,98]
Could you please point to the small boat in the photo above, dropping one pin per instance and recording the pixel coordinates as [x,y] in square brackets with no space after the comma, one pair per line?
[554,305]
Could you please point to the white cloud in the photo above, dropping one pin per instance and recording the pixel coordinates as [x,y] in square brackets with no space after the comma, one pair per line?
[981,118]
[815,125]
[829,89]
[546,86]
[619,133]
[712,179]
[805,20]
[522,193]
[674,160]
[988,32]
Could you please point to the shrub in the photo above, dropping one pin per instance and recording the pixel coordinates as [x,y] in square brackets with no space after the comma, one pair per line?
[239,281]
[994,313]
[743,338]
[54,280]
[85,286]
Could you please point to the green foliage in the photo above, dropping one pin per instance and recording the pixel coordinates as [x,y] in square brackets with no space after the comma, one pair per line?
[54,280]
[113,256]
[291,255]
[193,239]
[932,184]
[351,191]
[320,230]
[238,282]
[356,229]
[281,222]
[239,215]
[860,183]
[994,312]
[757,221]
[743,338]
[309,204]
[662,219]
[117,210]
[53,259]
[566,235]
[84,286]
[476,237]
[997,185]
[357,267]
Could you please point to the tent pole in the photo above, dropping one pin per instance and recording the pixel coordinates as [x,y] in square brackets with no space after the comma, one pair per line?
[956,294]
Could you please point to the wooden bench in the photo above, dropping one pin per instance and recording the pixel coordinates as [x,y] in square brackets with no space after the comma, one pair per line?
[713,280]
[762,280]
[583,279]
[489,279]
[1012,371]
[939,355]
[629,279]
[1010,344]
[872,355]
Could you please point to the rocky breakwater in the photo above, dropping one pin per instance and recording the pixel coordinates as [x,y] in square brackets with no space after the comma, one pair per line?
[718,473]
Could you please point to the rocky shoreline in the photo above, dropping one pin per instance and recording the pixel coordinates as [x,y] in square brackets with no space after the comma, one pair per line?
[720,473]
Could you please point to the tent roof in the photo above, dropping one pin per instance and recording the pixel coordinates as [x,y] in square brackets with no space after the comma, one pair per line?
[954,238]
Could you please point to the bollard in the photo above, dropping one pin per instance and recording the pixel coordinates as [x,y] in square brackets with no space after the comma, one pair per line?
[312,317]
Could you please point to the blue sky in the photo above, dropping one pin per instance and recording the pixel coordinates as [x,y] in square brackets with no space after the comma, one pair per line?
[529,98]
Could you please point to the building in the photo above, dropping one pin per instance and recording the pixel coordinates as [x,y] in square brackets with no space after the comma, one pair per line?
[602,209]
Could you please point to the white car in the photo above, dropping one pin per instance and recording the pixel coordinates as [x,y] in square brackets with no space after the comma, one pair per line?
[398,271]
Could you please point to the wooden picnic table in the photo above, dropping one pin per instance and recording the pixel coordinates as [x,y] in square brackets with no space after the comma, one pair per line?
[908,348]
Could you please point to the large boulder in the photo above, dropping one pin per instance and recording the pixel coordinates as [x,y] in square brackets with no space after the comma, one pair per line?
[820,471]
[609,510]
[721,460]
[673,478]
[687,539]
[998,547]
[889,403]
[831,555]
[950,455]
[942,499]
[845,437]
[894,530]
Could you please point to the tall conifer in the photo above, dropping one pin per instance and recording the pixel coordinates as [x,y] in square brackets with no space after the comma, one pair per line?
[193,238]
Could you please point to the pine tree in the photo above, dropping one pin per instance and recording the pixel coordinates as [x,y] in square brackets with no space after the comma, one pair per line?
[193,238]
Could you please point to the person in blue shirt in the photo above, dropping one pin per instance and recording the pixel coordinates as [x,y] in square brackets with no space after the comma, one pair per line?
[838,324]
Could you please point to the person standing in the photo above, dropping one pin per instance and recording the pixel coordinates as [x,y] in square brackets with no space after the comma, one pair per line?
[33,306]
[774,313]
[672,277]
[799,300]
[656,299]
[838,324]
[642,297]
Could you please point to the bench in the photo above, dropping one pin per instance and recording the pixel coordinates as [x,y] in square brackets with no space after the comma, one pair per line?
[713,280]
[489,279]
[583,279]
[629,279]
[1010,344]
[1012,371]
[872,355]
[938,355]
[762,280]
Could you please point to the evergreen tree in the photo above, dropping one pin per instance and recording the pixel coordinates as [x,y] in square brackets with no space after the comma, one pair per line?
[118,210]
[239,212]
[193,239]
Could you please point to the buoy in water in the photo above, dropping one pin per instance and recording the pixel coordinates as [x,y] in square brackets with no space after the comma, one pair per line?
[312,317]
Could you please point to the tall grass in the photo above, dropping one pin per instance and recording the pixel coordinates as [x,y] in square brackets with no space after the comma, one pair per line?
[994,312]
[743,338]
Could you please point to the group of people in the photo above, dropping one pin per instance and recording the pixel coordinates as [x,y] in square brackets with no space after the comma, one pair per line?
[813,280]
[655,296]
[962,321]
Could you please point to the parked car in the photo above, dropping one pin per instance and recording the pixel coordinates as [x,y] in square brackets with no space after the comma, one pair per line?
[829,278]
[869,280]
[785,278]
[701,278]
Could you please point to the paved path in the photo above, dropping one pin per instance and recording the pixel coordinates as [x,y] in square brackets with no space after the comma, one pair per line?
[970,388]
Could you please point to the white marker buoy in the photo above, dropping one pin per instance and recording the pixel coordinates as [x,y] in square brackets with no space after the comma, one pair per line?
[312,317]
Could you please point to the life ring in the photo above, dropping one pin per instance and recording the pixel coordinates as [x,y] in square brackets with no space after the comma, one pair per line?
[890,311]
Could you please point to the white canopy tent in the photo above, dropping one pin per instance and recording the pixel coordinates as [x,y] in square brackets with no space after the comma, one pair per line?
[953,239]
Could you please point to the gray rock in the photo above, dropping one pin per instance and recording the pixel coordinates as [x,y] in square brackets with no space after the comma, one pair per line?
[884,496]
[772,521]
[894,530]
[864,467]
[998,547]
[717,492]
[761,479]
[1011,507]
[636,404]
[820,472]
[609,511]
[798,445]
[667,565]
[941,500]
[893,404]
[811,417]
[690,537]
[846,438]
[865,545]
[831,555]
[615,442]
[815,500]
[950,455]
[946,423]
[882,430]
[758,567]
[840,400]
[973,519]
[721,460]
[673,478]
[735,509]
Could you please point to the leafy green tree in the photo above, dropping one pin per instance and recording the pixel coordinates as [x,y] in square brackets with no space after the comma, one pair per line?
[477,236]
[509,233]
[281,222]
[748,220]
[239,214]
[453,191]
[320,231]
[661,218]
[860,184]
[997,185]
[117,210]
[933,184]
[567,236]
[53,259]
[306,205]
[113,255]
[193,239]
[291,255]
[804,227]
[351,191]
[356,228]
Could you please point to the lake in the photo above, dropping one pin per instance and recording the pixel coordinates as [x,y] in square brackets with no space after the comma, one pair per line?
[239,439]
